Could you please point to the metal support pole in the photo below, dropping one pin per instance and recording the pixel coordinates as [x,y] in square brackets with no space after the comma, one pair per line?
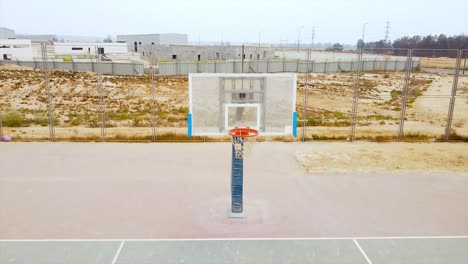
[448,128]
[408,67]
[102,109]
[50,109]
[237,181]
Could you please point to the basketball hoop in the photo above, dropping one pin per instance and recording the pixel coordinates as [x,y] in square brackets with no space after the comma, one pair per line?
[243,138]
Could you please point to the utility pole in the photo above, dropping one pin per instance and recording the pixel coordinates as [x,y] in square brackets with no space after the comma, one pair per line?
[299,39]
[313,37]
[258,49]
[387,30]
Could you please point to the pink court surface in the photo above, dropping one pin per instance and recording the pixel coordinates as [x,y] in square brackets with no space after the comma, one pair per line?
[182,190]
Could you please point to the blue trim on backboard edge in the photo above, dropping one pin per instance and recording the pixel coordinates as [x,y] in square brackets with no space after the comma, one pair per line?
[295,124]
[189,125]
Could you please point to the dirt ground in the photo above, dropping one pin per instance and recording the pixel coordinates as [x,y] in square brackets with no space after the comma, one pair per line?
[128,105]
[167,190]
[372,157]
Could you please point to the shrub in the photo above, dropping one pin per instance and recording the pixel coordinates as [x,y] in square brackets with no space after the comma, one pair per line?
[15,119]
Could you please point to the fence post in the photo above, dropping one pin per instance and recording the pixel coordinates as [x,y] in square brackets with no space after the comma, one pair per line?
[102,109]
[375,60]
[448,128]
[408,67]
[284,64]
[396,64]
[73,64]
[297,65]
[325,66]
[268,65]
[355,97]
[50,109]
[215,66]
[1,126]
[385,65]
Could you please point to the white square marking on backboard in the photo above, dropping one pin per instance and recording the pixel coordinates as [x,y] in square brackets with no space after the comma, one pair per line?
[226,114]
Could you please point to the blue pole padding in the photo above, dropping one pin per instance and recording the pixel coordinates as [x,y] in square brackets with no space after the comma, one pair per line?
[237,181]
[295,124]
[189,125]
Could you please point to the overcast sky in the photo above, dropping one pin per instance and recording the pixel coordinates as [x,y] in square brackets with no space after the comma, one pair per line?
[238,20]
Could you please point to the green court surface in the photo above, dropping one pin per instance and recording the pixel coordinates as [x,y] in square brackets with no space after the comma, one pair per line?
[452,250]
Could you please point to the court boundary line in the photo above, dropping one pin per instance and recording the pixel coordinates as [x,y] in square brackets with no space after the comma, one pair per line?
[116,256]
[362,251]
[230,239]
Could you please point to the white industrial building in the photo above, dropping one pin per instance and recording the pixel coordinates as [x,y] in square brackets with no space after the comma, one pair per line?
[137,43]
[89,48]
[6,33]
[15,49]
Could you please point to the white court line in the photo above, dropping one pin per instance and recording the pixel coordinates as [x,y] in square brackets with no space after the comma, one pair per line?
[234,239]
[362,252]
[118,252]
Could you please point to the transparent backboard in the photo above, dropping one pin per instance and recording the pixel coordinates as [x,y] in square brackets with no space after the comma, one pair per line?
[219,102]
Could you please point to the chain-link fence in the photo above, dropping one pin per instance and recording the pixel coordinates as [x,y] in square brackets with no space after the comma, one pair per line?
[399,95]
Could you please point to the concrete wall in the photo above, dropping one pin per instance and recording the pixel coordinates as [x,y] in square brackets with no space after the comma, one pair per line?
[223,52]
[112,68]
[173,39]
[6,33]
[89,48]
[277,65]
[15,49]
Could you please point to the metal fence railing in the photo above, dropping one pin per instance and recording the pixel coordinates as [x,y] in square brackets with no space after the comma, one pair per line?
[112,68]
[409,98]
[284,65]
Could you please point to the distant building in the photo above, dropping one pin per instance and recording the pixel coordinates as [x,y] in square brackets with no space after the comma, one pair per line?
[36,38]
[6,33]
[137,43]
[15,49]
[71,48]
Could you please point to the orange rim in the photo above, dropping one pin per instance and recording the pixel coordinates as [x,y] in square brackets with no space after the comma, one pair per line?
[243,132]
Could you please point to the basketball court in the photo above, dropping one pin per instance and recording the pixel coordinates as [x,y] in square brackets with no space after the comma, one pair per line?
[97,192]
[211,203]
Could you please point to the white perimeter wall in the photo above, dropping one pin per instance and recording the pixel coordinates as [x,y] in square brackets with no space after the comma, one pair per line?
[19,49]
[89,48]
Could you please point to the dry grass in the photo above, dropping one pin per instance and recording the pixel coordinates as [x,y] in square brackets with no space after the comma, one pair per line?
[441,63]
